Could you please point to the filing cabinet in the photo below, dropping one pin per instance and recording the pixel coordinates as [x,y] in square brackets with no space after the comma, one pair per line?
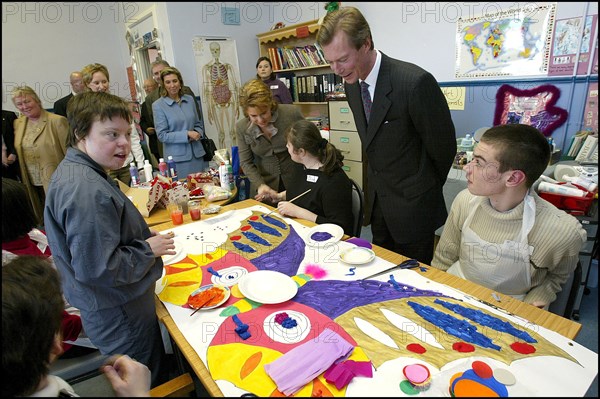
[590,224]
[344,136]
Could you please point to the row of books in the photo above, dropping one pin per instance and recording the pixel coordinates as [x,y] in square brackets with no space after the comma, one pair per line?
[311,88]
[584,146]
[290,57]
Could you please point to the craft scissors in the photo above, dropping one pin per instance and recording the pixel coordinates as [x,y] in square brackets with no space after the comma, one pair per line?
[409,264]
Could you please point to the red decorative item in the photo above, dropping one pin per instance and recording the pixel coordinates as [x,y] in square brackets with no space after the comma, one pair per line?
[535,107]
[416,348]
[302,32]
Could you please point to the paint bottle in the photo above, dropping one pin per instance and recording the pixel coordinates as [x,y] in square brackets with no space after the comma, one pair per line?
[140,166]
[148,171]
[163,168]
[223,176]
[135,175]
[172,167]
[242,189]
[231,182]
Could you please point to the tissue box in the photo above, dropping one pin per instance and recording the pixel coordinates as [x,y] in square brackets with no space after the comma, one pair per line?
[144,197]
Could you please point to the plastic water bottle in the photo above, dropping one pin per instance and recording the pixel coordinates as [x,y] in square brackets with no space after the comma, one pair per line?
[140,166]
[223,176]
[231,182]
[163,168]
[242,189]
[172,167]
[148,171]
[135,175]
[467,142]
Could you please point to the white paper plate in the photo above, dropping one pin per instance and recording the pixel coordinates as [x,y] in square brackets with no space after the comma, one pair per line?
[357,255]
[226,292]
[268,286]
[323,234]
[179,254]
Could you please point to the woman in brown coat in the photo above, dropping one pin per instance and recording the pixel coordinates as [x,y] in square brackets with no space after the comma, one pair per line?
[40,141]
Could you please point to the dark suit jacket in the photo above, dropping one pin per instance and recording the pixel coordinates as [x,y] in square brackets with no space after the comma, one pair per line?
[410,145]
[8,135]
[60,106]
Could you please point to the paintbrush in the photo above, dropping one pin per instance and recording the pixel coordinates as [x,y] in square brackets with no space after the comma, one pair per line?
[292,200]
[203,304]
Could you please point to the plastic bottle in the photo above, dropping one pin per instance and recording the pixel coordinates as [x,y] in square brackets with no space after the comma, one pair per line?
[583,182]
[231,182]
[140,167]
[560,189]
[172,167]
[135,175]
[148,171]
[223,176]
[467,142]
[163,168]
[242,189]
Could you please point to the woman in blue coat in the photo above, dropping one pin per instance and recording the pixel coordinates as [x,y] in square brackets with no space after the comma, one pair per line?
[178,124]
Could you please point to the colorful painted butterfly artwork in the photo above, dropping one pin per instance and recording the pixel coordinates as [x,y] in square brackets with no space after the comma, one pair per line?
[391,320]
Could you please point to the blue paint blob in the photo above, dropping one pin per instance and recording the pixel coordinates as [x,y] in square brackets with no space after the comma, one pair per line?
[321,236]
[275,222]
[243,247]
[257,239]
[263,228]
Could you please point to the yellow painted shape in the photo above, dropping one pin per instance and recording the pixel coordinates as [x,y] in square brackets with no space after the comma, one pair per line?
[244,366]
[301,280]
[205,259]
[226,362]
[178,295]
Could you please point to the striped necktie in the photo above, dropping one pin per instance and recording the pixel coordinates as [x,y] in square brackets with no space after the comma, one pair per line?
[366,98]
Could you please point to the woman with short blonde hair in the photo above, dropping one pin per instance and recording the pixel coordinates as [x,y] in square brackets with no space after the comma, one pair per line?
[95,77]
[40,142]
[261,139]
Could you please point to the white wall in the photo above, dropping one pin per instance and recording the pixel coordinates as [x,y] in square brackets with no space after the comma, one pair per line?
[43,42]
[188,20]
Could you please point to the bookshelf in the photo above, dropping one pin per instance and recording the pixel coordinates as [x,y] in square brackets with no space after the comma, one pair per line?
[295,56]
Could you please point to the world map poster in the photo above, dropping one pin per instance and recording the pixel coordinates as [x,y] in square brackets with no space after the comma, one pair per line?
[510,42]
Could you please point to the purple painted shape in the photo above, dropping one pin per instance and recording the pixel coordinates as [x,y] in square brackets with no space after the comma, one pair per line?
[284,258]
[333,298]
[321,236]
[360,242]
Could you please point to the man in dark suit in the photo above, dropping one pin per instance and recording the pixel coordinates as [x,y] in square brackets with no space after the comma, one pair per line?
[147,121]
[405,129]
[10,164]
[77,86]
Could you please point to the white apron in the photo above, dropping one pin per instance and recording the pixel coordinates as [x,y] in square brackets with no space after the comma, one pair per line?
[501,267]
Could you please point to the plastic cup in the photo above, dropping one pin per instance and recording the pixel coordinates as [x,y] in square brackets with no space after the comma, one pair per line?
[195,210]
[176,213]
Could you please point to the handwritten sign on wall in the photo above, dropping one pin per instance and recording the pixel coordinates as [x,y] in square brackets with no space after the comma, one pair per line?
[455,96]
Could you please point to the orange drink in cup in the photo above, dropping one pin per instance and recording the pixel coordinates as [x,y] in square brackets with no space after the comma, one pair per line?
[176,213]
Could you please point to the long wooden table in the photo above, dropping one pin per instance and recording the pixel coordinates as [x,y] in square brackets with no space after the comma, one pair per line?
[551,321]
